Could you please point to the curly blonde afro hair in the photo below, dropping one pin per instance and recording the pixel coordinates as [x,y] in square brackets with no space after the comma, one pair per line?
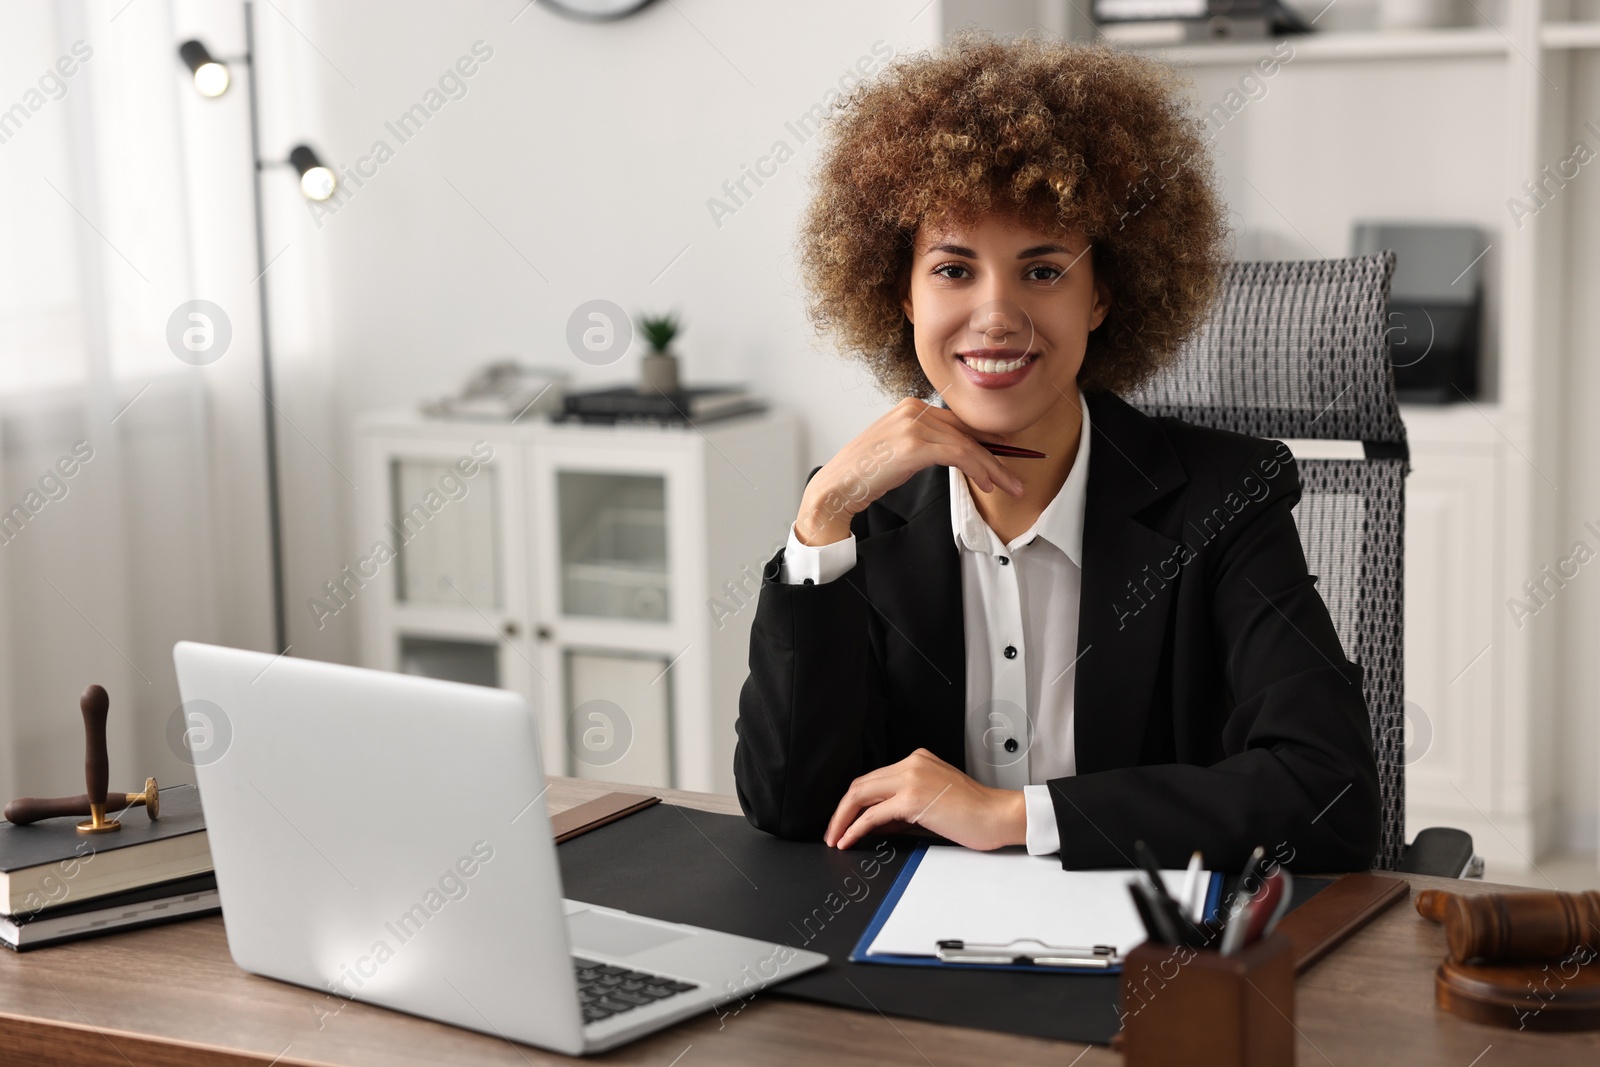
[1059,136]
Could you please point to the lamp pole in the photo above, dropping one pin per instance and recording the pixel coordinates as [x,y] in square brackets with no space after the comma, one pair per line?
[280,621]
[317,182]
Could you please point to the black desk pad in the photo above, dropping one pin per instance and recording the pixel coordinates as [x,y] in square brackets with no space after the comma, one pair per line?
[718,871]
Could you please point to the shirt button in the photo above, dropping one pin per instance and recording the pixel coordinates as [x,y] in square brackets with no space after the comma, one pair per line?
[1011,652]
[1011,744]
[1004,561]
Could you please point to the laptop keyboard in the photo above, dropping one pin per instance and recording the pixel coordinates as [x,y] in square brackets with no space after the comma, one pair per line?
[605,990]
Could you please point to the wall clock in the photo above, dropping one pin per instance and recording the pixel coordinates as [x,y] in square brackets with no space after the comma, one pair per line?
[595,10]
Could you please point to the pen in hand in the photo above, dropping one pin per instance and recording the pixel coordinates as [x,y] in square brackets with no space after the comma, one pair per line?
[1012,450]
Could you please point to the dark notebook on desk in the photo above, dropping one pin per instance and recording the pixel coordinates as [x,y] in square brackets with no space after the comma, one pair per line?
[718,871]
[152,905]
[48,863]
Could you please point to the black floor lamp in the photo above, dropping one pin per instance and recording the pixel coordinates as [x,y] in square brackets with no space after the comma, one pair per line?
[317,182]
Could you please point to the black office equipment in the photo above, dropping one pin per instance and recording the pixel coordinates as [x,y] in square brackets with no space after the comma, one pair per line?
[1435,306]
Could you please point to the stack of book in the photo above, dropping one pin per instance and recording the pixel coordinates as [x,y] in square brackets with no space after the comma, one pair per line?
[1138,23]
[625,404]
[59,885]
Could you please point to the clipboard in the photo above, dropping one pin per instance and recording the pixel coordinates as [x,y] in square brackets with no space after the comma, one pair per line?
[1104,963]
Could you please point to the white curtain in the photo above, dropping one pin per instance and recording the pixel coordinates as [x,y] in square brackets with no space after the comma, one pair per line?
[107,459]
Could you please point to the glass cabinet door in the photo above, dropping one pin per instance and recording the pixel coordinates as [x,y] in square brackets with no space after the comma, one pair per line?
[619,716]
[443,575]
[444,528]
[613,545]
[614,520]
[452,659]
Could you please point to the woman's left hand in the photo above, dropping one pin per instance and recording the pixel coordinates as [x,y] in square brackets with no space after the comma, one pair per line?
[924,790]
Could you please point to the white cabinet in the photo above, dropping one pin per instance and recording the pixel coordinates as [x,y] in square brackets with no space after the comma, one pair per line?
[1453,674]
[609,574]
[1479,671]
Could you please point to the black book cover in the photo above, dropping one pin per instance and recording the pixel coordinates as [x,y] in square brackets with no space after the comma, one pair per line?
[135,909]
[178,887]
[626,400]
[55,840]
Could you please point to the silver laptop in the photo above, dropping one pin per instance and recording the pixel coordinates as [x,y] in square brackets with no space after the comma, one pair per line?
[383,838]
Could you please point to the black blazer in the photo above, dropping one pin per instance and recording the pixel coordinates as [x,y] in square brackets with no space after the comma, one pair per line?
[1214,705]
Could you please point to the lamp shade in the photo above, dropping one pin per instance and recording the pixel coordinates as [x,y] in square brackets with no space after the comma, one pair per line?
[211,77]
[317,181]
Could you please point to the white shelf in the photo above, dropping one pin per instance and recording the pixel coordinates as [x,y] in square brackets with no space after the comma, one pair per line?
[1467,41]
[1341,45]
[1570,35]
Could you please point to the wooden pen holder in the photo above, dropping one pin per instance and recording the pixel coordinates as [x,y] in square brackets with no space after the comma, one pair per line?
[1192,1006]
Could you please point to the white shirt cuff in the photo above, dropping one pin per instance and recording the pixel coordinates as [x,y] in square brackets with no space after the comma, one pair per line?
[1044,837]
[819,563]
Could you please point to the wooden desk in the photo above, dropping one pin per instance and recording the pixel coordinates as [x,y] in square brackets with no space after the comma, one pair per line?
[172,997]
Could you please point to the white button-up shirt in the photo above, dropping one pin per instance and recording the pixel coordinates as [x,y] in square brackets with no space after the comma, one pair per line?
[1020,614]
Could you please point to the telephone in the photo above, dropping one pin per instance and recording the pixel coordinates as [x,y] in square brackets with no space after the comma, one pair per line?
[504,389]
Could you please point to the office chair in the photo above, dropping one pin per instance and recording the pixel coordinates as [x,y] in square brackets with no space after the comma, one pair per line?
[1296,351]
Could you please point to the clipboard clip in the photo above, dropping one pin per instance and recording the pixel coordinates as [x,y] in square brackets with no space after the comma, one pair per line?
[1026,951]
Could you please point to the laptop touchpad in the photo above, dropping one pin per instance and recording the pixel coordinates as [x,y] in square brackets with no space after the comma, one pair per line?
[617,935]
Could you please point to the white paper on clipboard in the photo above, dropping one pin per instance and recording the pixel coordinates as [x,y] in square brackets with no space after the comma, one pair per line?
[1006,895]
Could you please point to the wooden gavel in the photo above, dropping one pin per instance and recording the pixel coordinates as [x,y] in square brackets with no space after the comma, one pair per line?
[95,705]
[1502,927]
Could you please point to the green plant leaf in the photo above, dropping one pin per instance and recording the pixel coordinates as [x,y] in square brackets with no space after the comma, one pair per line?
[660,330]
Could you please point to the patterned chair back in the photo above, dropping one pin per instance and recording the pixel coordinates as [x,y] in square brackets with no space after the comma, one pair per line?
[1299,350]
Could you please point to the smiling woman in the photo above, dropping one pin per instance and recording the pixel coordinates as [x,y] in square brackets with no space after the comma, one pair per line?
[1065,138]
[944,641]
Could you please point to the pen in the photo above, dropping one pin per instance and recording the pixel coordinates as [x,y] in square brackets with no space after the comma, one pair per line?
[1242,889]
[1168,924]
[1191,883]
[1145,857]
[1012,450]
[1174,922]
[1239,903]
[1238,923]
[1152,929]
[1262,909]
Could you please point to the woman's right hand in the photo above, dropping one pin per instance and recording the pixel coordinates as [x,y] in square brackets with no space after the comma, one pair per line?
[912,435]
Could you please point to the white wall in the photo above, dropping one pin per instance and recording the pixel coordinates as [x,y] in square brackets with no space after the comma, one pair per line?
[577,165]
[1578,725]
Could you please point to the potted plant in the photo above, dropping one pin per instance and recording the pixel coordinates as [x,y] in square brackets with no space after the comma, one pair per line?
[658,368]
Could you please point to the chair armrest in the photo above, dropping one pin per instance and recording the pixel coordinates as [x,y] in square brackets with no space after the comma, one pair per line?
[1441,851]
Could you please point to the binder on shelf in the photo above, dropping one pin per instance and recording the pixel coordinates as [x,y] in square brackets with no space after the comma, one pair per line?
[623,404]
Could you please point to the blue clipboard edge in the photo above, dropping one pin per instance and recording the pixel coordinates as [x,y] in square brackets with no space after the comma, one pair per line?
[886,908]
